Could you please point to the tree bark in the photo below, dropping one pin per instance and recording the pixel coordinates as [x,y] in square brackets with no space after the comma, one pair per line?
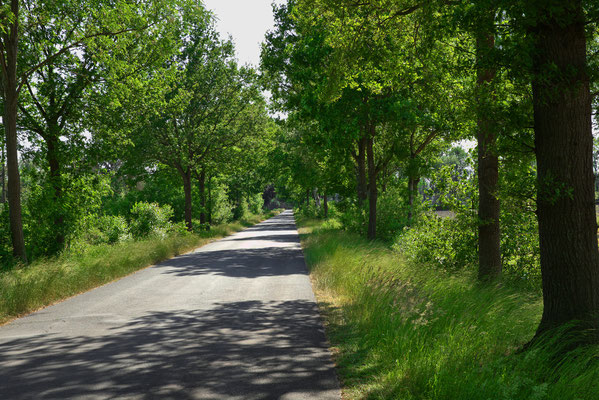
[372,189]
[412,188]
[210,200]
[52,143]
[186,176]
[202,186]
[325,205]
[3,176]
[564,143]
[11,97]
[361,175]
[489,236]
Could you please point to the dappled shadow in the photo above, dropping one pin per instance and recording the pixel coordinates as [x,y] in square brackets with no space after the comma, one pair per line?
[291,237]
[238,263]
[249,350]
[265,253]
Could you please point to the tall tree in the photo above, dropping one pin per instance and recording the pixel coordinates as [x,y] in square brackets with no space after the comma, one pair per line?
[19,59]
[564,145]
[489,237]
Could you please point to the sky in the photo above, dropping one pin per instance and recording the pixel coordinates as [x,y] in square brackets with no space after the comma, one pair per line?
[247,21]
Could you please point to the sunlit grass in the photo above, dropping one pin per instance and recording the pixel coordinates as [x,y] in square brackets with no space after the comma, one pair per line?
[46,281]
[402,331]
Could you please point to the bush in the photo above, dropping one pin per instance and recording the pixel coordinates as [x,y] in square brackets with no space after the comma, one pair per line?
[222,211]
[6,259]
[148,219]
[114,228]
[392,213]
[255,204]
[449,243]
[241,211]
[354,219]
[310,211]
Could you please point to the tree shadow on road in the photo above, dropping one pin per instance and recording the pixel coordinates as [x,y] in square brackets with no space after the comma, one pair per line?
[238,263]
[249,350]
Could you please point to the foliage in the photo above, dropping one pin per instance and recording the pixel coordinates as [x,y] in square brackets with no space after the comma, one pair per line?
[105,229]
[222,210]
[255,203]
[150,219]
[82,198]
[441,242]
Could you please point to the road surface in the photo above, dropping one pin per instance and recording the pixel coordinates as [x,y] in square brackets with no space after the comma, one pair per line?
[235,319]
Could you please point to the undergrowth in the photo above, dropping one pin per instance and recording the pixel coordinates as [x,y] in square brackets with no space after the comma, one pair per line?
[46,281]
[401,330]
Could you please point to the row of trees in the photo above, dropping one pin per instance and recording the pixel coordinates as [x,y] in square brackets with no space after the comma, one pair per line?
[376,89]
[118,92]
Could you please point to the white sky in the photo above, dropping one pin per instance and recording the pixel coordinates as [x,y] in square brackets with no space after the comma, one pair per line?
[246,21]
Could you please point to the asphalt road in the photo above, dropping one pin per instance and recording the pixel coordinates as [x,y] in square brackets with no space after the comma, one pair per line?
[235,319]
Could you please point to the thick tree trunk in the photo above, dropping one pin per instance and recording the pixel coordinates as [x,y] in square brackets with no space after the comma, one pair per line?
[52,143]
[372,189]
[325,204]
[202,187]
[361,176]
[186,176]
[9,86]
[564,143]
[489,238]
[412,188]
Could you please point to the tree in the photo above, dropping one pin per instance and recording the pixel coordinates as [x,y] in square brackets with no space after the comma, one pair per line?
[489,236]
[186,114]
[563,146]
[19,60]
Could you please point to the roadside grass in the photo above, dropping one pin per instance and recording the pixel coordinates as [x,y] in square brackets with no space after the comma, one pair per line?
[46,281]
[404,331]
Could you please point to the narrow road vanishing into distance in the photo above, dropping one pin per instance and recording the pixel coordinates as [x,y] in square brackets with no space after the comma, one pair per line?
[235,319]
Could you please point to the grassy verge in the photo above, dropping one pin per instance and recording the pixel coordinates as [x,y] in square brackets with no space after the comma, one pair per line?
[47,281]
[402,331]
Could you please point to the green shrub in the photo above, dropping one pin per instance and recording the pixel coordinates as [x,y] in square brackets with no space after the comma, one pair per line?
[149,219]
[449,243]
[255,204]
[520,253]
[114,227]
[222,211]
[393,213]
[310,211]
[241,211]
[354,218]
[6,259]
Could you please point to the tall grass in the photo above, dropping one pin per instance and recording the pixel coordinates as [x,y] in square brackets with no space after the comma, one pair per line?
[405,331]
[46,281]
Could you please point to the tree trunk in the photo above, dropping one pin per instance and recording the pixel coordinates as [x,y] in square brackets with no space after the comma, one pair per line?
[210,200]
[202,187]
[11,98]
[3,176]
[307,198]
[372,189]
[316,197]
[564,144]
[361,161]
[325,204]
[412,188]
[52,143]
[489,238]
[186,176]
